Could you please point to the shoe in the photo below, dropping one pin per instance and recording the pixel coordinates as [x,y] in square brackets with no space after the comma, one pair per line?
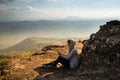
[44,66]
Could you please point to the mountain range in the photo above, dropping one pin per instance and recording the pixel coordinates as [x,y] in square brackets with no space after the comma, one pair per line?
[34,44]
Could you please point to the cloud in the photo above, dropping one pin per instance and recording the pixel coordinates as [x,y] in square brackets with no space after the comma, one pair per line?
[2,7]
[53,0]
[20,13]
[26,8]
[49,1]
[6,1]
[33,13]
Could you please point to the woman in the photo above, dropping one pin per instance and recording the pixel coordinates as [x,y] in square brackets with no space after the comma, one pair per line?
[70,61]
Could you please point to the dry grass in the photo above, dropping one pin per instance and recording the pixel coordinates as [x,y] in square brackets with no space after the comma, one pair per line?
[24,66]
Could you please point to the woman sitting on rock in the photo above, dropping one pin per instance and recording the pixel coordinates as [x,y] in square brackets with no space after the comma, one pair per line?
[70,61]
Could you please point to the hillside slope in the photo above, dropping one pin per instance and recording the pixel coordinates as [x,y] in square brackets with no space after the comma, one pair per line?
[34,44]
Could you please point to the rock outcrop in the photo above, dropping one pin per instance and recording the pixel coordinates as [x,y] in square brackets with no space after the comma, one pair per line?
[51,47]
[101,53]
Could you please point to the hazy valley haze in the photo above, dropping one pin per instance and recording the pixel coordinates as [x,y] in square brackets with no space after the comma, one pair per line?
[14,32]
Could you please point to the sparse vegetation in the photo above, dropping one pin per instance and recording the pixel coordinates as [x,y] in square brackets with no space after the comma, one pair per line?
[23,65]
[8,61]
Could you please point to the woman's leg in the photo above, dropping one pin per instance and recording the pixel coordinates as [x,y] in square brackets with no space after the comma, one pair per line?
[61,60]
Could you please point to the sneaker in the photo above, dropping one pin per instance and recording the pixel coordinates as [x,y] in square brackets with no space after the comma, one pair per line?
[44,66]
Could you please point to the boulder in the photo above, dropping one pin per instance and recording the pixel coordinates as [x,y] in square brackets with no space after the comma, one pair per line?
[101,53]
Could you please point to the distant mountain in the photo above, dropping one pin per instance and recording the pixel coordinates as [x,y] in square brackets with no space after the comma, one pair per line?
[34,44]
[73,18]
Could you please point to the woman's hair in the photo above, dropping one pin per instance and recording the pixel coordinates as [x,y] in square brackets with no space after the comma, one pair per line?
[72,44]
[71,41]
[68,41]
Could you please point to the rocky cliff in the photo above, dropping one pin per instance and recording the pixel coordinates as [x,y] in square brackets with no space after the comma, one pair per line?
[101,53]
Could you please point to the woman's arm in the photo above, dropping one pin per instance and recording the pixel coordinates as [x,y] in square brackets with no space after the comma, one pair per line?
[69,55]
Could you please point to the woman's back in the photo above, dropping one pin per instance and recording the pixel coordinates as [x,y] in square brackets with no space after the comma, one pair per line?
[74,60]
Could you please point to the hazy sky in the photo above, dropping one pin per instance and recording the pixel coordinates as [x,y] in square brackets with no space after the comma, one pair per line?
[14,32]
[20,10]
[12,10]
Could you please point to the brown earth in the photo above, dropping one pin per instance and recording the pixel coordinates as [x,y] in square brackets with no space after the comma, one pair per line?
[31,68]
